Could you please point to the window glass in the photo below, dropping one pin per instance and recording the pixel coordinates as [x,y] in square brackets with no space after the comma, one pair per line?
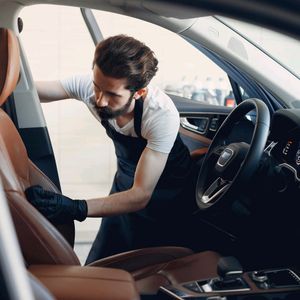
[243,93]
[183,70]
[272,43]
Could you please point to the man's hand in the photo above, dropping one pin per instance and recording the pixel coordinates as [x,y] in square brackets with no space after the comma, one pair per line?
[56,207]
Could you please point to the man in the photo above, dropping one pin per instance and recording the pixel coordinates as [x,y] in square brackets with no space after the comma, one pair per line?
[150,189]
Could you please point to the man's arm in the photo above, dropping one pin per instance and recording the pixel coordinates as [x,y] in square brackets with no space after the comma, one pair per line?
[150,166]
[59,208]
[49,91]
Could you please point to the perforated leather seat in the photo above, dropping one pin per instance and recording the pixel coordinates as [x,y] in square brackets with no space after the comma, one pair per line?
[40,241]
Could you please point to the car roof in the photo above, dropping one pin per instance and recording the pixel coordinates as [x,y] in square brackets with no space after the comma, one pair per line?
[282,16]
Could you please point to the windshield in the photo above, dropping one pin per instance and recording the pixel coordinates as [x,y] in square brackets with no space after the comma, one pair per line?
[284,49]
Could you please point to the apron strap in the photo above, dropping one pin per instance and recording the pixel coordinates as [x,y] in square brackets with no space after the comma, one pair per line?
[138,113]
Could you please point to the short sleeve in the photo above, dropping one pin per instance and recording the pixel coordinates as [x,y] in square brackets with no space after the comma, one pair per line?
[161,130]
[79,87]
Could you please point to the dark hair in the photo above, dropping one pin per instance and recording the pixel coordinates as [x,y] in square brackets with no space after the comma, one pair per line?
[122,56]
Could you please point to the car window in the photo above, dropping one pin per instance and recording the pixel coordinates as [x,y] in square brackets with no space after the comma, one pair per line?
[183,70]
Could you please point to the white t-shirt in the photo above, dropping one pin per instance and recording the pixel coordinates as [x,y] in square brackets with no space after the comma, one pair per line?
[160,120]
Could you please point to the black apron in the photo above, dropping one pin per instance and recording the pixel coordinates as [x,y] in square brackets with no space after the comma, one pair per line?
[173,197]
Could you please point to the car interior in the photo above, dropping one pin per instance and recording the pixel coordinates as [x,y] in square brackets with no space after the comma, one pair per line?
[247,194]
[40,242]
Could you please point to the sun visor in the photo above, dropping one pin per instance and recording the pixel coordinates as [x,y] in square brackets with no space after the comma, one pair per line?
[173,11]
[174,17]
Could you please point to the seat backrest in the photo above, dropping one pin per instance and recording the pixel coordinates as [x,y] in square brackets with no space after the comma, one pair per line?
[40,241]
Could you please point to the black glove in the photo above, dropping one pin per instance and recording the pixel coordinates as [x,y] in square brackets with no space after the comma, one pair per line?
[56,207]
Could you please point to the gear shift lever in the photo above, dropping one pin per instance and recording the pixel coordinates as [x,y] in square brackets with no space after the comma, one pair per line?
[230,278]
[229,268]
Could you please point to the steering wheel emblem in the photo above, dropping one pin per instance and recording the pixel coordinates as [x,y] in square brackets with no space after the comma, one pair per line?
[225,157]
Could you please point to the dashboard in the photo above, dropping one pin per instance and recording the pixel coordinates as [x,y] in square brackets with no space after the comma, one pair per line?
[285,137]
[287,150]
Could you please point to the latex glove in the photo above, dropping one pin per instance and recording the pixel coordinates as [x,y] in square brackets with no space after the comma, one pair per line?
[55,207]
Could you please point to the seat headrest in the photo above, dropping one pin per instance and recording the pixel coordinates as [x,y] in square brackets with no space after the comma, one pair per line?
[9,63]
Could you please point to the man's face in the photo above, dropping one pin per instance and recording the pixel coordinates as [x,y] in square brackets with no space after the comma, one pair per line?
[112,99]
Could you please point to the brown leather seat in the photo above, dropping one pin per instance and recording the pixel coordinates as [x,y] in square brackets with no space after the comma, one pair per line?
[40,241]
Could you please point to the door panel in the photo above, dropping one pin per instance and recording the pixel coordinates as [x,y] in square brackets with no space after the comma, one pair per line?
[198,123]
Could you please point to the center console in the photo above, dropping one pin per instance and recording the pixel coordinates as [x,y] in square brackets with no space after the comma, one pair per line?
[232,283]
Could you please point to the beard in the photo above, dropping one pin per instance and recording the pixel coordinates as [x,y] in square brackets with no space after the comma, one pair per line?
[106,113]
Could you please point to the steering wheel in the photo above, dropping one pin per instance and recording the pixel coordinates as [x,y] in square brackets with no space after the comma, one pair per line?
[228,166]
